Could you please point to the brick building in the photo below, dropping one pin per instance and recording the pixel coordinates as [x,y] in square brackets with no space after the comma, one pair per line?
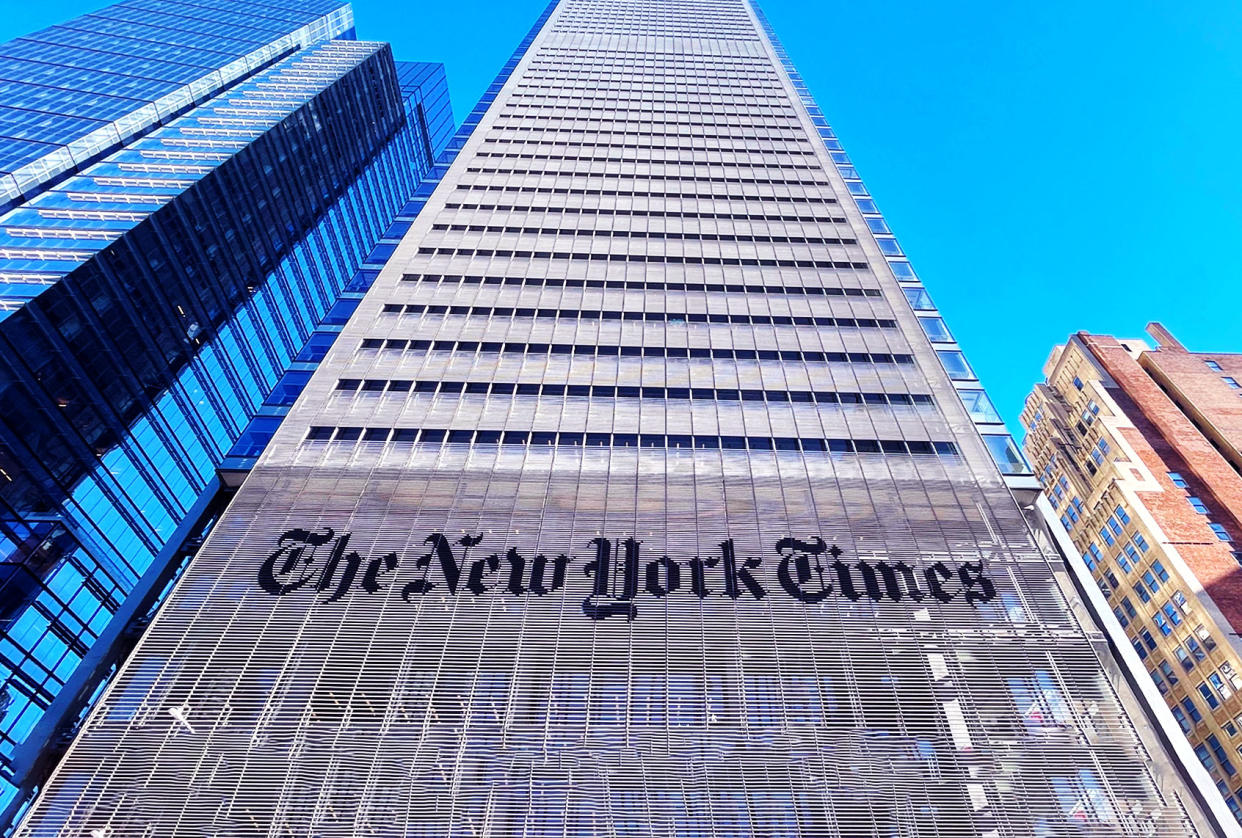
[1138,451]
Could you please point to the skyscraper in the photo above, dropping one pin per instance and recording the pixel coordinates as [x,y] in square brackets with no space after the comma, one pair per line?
[636,500]
[192,194]
[1139,450]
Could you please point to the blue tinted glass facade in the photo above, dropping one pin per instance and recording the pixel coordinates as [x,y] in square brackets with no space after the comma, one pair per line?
[197,196]
[72,92]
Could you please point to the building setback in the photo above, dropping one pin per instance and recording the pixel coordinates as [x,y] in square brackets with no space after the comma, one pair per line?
[1138,449]
[196,195]
[634,499]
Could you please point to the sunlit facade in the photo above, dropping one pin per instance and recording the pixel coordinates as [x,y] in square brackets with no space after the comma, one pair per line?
[1136,446]
[644,494]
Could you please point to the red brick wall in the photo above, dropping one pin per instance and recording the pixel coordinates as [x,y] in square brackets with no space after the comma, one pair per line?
[1166,440]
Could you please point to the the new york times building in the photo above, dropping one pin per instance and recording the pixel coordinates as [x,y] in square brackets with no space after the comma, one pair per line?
[635,500]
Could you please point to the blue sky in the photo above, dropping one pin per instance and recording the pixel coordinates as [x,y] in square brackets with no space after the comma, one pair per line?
[1049,167]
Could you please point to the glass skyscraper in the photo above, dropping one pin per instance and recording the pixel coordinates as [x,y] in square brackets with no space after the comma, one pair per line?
[196,195]
[644,494]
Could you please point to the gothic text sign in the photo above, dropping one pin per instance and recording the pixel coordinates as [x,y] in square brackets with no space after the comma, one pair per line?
[810,571]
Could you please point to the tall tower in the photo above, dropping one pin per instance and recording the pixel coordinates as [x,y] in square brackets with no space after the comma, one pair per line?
[634,499]
[193,196]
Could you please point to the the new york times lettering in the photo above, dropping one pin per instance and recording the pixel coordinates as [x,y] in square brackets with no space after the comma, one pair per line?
[811,571]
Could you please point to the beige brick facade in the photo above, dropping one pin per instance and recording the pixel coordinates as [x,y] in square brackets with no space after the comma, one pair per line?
[1121,437]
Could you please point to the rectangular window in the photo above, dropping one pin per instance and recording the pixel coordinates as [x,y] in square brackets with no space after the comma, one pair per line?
[1220,531]
[1122,515]
[955,364]
[1158,569]
[1166,669]
[1232,382]
[1093,556]
[1197,505]
[935,328]
[1210,697]
[1213,366]
[1177,480]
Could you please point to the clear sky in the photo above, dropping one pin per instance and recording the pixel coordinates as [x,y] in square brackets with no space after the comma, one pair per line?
[1049,167]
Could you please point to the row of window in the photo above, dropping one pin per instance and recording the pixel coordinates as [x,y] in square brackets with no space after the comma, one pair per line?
[759,128]
[631,130]
[733,195]
[629,92]
[674,317]
[440,436]
[666,213]
[641,284]
[664,259]
[590,349]
[655,109]
[783,147]
[608,391]
[614,233]
[685,156]
[647,176]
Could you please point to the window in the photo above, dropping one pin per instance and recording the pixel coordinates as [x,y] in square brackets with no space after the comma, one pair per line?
[1177,480]
[1124,561]
[1122,515]
[979,406]
[1093,556]
[1005,454]
[1109,538]
[1148,639]
[1182,721]
[1162,624]
[1170,611]
[1184,659]
[1141,543]
[1210,697]
[1220,531]
[1158,569]
[1167,670]
[1078,382]
[1197,505]
[955,364]
[1191,710]
[1220,687]
[1213,366]
[1232,382]
[1221,756]
[1142,593]
[919,300]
